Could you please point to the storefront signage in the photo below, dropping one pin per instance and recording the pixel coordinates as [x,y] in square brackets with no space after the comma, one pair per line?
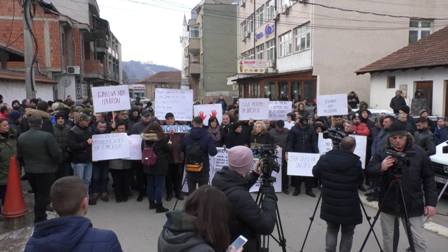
[253,66]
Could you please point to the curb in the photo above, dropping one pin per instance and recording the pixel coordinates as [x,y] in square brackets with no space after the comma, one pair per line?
[429,225]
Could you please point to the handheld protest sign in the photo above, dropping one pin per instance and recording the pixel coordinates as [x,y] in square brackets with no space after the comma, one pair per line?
[254,109]
[332,105]
[205,111]
[111,98]
[177,101]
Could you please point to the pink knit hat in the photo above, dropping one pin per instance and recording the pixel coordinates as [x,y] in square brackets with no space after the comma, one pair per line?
[241,159]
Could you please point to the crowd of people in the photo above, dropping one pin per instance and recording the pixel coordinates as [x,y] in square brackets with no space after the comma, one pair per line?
[53,140]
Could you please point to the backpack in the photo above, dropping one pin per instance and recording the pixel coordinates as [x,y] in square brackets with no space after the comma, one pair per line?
[194,160]
[149,156]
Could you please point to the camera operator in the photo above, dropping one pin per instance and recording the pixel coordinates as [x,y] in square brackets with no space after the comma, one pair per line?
[248,219]
[340,173]
[417,179]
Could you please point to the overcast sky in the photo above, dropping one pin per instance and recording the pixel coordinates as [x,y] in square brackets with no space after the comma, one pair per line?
[149,30]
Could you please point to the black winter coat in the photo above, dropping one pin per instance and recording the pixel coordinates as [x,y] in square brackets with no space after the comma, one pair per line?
[419,187]
[302,140]
[235,139]
[340,173]
[162,151]
[396,103]
[80,150]
[208,146]
[247,218]
[263,138]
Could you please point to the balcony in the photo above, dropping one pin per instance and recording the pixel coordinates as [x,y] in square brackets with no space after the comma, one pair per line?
[195,68]
[93,69]
[101,45]
[194,45]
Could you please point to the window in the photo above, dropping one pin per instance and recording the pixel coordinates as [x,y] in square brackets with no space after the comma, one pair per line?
[243,26]
[260,16]
[302,38]
[250,54]
[418,29]
[259,51]
[250,23]
[284,44]
[194,32]
[270,47]
[270,10]
[390,81]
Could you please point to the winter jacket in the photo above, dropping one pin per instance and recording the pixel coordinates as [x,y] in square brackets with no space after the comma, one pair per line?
[119,164]
[263,138]
[138,128]
[362,129]
[179,235]
[396,103]
[425,139]
[248,219]
[225,131]
[441,134]
[71,234]
[176,153]
[7,150]
[162,151]
[46,122]
[207,144]
[302,140]
[379,142]
[38,151]
[215,134]
[353,101]
[418,104]
[419,187]
[235,139]
[81,151]
[279,137]
[340,173]
[61,134]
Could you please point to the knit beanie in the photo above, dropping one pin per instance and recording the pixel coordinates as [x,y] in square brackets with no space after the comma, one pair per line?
[241,159]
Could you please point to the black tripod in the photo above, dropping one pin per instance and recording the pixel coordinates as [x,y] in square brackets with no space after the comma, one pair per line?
[314,214]
[278,222]
[395,181]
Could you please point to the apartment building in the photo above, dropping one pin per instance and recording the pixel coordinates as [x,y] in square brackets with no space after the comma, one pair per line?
[300,49]
[211,51]
[76,48]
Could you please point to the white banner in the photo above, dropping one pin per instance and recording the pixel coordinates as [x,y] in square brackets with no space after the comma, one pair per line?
[301,164]
[276,175]
[330,105]
[254,109]
[208,110]
[279,109]
[326,145]
[111,98]
[135,147]
[177,101]
[110,146]
[218,162]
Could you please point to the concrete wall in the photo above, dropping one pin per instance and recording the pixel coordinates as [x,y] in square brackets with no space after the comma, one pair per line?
[380,95]
[343,44]
[15,90]
[78,10]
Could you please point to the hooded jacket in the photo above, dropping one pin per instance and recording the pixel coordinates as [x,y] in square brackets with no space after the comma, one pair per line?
[207,144]
[71,234]
[179,235]
[340,173]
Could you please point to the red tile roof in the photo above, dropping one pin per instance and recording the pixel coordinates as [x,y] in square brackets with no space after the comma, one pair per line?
[428,52]
[20,76]
[163,77]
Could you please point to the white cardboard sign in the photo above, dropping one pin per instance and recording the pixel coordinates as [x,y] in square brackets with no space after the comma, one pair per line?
[111,98]
[135,147]
[330,105]
[301,164]
[325,145]
[279,109]
[206,111]
[110,146]
[254,109]
[177,101]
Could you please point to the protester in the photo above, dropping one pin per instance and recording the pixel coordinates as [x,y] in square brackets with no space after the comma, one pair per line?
[71,231]
[236,136]
[417,179]
[424,137]
[226,127]
[39,153]
[100,171]
[405,119]
[198,146]
[419,103]
[42,110]
[7,150]
[156,151]
[201,226]
[223,103]
[80,145]
[176,161]
[340,173]
[61,131]
[441,131]
[302,139]
[291,120]
[397,102]
[431,124]
[121,171]
[260,135]
[279,136]
[247,219]
[214,130]
[353,100]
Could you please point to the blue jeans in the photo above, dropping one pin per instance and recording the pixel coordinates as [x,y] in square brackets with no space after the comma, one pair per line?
[154,188]
[99,178]
[84,171]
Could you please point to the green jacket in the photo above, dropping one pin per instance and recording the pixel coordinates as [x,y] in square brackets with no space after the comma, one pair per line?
[38,151]
[7,150]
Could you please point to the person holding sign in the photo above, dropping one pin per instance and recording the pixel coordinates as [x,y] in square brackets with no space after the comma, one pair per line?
[340,173]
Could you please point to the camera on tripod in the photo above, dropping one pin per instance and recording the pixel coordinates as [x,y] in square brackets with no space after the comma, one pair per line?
[267,154]
[401,158]
[335,135]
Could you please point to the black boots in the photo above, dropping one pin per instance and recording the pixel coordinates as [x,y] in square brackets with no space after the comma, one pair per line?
[158,206]
[152,204]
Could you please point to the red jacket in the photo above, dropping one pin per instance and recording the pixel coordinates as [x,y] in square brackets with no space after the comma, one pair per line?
[362,129]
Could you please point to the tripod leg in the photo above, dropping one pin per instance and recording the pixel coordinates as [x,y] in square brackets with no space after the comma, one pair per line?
[177,200]
[406,219]
[371,226]
[281,234]
[311,223]
[375,219]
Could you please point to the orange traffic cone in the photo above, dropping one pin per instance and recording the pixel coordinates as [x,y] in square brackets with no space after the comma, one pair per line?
[14,204]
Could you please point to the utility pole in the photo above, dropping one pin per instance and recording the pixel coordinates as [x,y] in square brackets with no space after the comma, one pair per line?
[29,51]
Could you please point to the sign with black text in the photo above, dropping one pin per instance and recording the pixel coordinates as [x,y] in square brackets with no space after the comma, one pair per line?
[331,105]
[254,109]
[111,98]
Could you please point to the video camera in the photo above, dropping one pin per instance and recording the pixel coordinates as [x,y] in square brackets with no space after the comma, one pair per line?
[267,154]
[401,162]
[335,135]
